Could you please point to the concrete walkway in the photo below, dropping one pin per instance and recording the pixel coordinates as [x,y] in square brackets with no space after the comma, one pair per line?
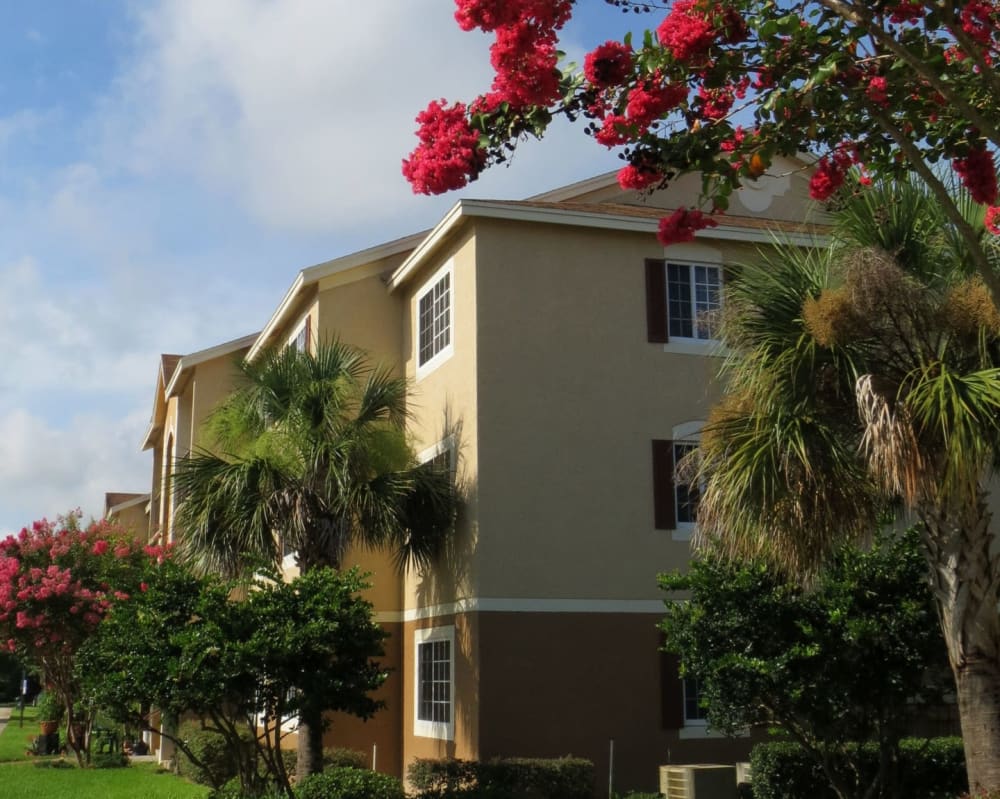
[4,717]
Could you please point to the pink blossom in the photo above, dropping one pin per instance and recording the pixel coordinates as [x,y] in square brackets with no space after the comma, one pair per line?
[448,157]
[992,220]
[100,547]
[682,225]
[978,174]
[638,177]
[608,64]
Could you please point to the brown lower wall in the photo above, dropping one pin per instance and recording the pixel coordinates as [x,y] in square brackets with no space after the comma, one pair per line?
[554,684]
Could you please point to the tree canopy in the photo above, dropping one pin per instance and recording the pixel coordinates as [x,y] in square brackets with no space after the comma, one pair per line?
[768,652]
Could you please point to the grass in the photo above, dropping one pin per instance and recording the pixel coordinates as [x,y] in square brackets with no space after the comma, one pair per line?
[25,778]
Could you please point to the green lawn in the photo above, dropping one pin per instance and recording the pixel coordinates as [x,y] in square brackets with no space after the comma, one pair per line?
[22,777]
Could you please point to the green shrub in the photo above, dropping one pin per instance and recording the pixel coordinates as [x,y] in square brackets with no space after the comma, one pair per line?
[109,760]
[49,707]
[233,790]
[219,763]
[928,769]
[340,757]
[349,783]
[531,778]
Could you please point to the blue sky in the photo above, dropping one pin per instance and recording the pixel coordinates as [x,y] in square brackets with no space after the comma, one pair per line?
[166,168]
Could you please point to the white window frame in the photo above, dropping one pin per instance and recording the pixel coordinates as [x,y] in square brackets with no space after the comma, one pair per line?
[692,255]
[685,434]
[446,444]
[444,731]
[448,349]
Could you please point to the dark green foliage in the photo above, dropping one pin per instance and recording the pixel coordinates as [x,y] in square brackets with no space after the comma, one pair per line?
[216,763]
[769,652]
[233,790]
[341,757]
[928,769]
[109,760]
[349,783]
[184,647]
[539,778]
[10,677]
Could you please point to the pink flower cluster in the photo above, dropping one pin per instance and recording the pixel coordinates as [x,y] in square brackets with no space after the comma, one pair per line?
[681,226]
[693,26]
[54,584]
[993,219]
[524,53]
[830,173]
[639,177]
[979,20]
[449,155]
[878,91]
[906,11]
[979,175]
[608,64]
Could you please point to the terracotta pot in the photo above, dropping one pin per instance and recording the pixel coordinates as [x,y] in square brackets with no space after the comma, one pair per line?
[48,727]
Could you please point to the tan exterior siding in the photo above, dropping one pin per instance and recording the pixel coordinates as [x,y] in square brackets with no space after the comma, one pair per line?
[445,405]
[570,396]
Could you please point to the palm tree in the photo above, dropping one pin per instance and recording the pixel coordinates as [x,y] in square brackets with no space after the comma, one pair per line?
[864,381]
[310,454]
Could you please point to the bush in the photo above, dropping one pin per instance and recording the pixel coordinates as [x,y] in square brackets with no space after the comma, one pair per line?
[340,757]
[532,778]
[349,783]
[109,760]
[233,790]
[219,763]
[928,769]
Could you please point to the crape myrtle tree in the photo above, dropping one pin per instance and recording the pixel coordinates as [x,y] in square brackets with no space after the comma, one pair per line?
[310,455]
[865,378]
[184,646]
[57,582]
[847,659]
[722,87]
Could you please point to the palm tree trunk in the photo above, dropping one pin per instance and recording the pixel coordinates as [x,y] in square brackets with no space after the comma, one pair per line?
[965,578]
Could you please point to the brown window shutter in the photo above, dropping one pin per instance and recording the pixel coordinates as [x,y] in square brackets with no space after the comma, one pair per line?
[656,300]
[671,692]
[664,515]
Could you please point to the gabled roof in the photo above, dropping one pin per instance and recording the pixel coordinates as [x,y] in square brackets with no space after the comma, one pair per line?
[117,501]
[175,372]
[613,216]
[310,276]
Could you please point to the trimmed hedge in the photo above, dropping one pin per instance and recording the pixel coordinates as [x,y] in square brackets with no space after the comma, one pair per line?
[531,778]
[349,783]
[928,769]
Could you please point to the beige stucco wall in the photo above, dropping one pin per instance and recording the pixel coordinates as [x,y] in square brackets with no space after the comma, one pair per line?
[444,408]
[570,395]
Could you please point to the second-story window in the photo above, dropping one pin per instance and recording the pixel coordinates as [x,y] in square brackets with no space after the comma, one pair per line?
[693,300]
[434,331]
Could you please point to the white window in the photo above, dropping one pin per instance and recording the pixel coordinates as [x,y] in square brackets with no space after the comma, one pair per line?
[694,297]
[434,694]
[300,341]
[435,322]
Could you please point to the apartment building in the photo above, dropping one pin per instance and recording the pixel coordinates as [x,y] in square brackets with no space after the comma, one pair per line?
[561,359]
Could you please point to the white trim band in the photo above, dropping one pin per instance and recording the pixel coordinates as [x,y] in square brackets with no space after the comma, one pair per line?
[528,605]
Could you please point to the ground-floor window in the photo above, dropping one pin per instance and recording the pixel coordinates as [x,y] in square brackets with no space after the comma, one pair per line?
[434,687]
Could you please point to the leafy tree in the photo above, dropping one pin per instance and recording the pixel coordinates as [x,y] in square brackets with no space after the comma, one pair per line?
[184,646]
[866,377]
[313,456]
[723,86]
[837,663]
[57,582]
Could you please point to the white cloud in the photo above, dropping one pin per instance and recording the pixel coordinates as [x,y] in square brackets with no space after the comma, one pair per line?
[46,470]
[302,110]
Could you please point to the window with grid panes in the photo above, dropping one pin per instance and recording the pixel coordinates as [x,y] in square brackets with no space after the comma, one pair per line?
[434,681]
[693,299]
[434,314]
[693,712]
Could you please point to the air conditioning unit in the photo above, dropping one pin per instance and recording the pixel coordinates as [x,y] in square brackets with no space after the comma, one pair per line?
[703,781]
